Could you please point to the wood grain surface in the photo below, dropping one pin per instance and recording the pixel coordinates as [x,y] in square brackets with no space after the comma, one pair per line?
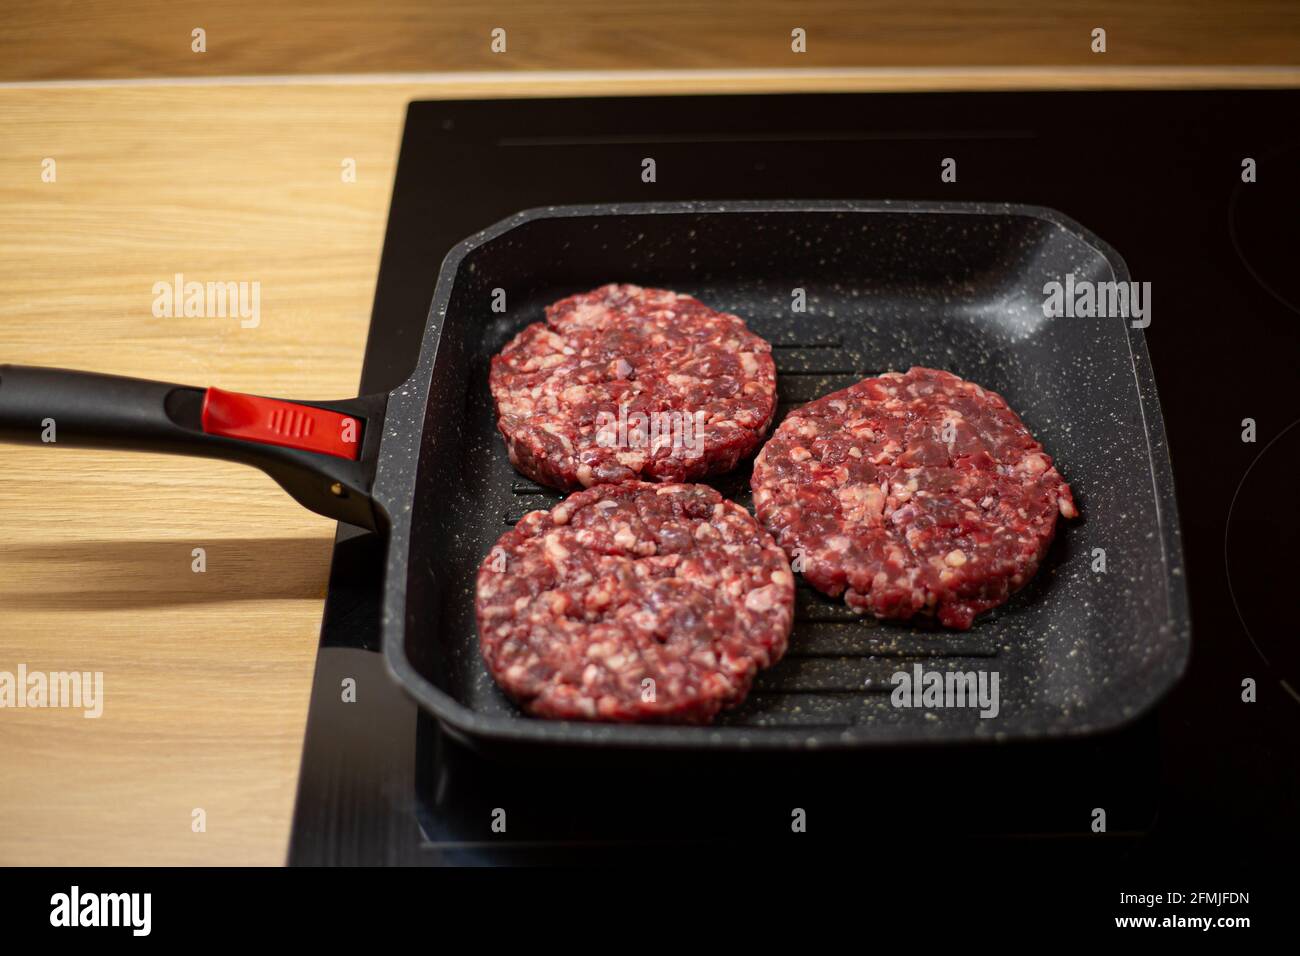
[61,39]
[207,676]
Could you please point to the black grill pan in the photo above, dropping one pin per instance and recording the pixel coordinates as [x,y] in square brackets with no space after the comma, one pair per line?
[888,285]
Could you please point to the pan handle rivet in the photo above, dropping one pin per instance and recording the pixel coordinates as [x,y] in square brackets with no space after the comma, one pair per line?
[337,490]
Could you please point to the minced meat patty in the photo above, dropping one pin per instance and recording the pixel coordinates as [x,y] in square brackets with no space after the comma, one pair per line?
[625,383]
[911,494]
[634,602]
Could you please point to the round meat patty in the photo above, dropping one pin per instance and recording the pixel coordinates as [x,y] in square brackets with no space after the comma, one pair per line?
[634,602]
[915,494]
[625,383]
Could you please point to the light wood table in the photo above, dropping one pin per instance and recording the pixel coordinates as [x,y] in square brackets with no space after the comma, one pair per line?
[207,676]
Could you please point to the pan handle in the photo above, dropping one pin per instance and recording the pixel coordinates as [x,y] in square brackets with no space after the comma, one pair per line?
[321,453]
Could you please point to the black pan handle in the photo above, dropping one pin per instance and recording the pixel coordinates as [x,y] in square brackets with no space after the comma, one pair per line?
[321,453]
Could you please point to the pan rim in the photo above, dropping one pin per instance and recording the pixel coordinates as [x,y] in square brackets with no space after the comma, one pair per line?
[396,478]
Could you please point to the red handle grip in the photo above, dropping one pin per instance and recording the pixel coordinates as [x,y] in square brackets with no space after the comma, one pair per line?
[273,422]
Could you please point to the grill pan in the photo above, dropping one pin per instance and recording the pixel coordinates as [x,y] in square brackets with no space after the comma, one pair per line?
[888,285]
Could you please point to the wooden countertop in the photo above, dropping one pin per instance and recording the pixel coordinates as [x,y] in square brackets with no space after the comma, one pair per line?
[207,676]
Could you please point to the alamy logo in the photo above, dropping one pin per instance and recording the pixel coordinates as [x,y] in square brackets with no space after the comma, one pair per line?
[208,300]
[940,689]
[83,690]
[103,909]
[653,431]
[1086,299]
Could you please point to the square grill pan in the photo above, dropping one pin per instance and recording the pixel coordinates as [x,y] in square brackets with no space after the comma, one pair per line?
[888,285]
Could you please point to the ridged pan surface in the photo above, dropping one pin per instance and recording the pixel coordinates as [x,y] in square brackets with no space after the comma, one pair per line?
[887,286]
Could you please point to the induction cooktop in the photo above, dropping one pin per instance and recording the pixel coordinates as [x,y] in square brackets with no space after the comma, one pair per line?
[1159,176]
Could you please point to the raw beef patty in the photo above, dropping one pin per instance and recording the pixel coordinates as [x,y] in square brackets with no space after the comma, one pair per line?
[625,383]
[634,602]
[911,494]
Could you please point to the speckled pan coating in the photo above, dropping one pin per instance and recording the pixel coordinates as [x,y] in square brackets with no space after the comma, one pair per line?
[912,495]
[624,383]
[634,602]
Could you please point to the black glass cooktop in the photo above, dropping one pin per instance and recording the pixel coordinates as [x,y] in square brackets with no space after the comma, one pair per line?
[1207,776]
